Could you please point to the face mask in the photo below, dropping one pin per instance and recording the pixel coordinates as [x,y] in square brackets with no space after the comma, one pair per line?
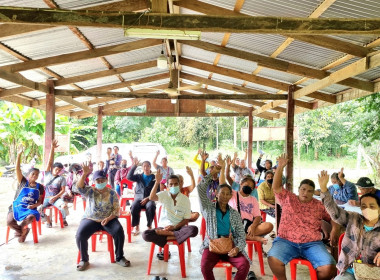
[336,187]
[124,165]
[370,214]
[247,189]
[270,181]
[174,190]
[100,186]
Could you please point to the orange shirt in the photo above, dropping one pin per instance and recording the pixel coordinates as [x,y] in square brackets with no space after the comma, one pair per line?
[185,191]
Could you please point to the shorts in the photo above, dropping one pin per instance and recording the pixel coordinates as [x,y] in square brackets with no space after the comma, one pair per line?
[315,252]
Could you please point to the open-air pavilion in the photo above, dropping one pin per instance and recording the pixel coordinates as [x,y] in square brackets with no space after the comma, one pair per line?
[267,59]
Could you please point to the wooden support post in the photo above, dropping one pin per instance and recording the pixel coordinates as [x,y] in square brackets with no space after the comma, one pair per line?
[99,133]
[50,120]
[290,138]
[250,137]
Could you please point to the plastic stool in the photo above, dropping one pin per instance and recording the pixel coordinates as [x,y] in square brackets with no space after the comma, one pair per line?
[35,225]
[109,244]
[227,266]
[259,250]
[57,213]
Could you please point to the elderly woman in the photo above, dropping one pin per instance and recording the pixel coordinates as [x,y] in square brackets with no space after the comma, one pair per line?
[101,214]
[362,238]
[220,221]
[266,194]
[29,195]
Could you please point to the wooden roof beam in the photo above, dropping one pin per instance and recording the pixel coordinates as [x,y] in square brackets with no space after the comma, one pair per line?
[205,23]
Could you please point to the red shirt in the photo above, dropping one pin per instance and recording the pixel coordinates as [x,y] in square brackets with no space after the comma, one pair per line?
[185,191]
[300,222]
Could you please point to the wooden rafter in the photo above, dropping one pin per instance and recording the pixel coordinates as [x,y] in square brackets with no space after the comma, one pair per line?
[204,23]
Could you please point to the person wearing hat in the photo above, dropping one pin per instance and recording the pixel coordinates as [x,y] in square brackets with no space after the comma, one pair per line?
[101,213]
[365,186]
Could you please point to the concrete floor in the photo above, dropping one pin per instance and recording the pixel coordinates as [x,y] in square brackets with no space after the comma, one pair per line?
[54,257]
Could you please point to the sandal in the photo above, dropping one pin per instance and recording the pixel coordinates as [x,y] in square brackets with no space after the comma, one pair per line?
[65,223]
[123,262]
[135,232]
[251,276]
[82,266]
[160,255]
[49,225]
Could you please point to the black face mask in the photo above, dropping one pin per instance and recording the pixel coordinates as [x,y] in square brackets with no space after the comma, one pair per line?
[247,190]
[124,165]
[270,181]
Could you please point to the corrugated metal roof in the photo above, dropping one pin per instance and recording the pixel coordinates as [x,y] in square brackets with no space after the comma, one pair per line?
[279,76]
[79,67]
[81,4]
[256,43]
[198,54]
[134,57]
[227,79]
[151,84]
[344,64]
[109,80]
[143,73]
[335,88]
[260,87]
[237,64]
[84,98]
[353,9]
[227,4]
[46,43]
[214,38]
[115,36]
[239,103]
[280,8]
[34,94]
[360,40]
[222,90]
[7,85]
[7,59]
[370,74]
[194,71]
[185,11]
[36,75]
[24,3]
[308,54]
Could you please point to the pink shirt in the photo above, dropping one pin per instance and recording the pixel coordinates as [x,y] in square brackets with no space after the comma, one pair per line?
[300,222]
[249,207]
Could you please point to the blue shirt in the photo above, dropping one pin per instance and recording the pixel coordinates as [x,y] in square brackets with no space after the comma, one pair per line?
[223,222]
[236,187]
[377,193]
[345,193]
[147,179]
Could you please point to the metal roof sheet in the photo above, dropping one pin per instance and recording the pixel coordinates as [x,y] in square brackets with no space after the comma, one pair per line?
[185,11]
[227,79]
[24,3]
[34,94]
[280,8]
[279,75]
[134,57]
[309,54]
[237,64]
[261,87]
[109,80]
[7,85]
[370,75]
[81,4]
[198,54]
[143,73]
[36,75]
[256,43]
[194,71]
[6,58]
[344,64]
[353,9]
[240,103]
[335,88]
[357,39]
[46,43]
[114,36]
[211,37]
[79,67]
[151,84]
[227,4]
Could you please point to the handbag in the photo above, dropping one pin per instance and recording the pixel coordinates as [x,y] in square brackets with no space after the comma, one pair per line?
[366,271]
[221,245]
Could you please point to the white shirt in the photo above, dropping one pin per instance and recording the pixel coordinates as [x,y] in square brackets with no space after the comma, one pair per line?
[173,214]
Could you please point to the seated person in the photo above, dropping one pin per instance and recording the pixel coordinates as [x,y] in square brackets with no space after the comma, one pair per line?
[101,213]
[362,238]
[175,214]
[341,190]
[365,186]
[299,233]
[75,172]
[222,220]
[54,188]
[29,195]
[187,190]
[262,169]
[144,185]
[266,194]
[236,186]
[122,173]
[212,187]
[248,208]
[166,171]
[240,170]
[111,173]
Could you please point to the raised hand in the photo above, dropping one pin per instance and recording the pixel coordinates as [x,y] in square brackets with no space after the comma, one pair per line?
[228,160]
[158,152]
[189,171]
[20,149]
[199,151]
[130,153]
[136,161]
[86,168]
[54,144]
[221,161]
[323,179]
[204,155]
[340,174]
[282,160]
[159,176]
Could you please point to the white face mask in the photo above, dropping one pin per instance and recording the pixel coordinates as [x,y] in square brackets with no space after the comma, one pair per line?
[370,214]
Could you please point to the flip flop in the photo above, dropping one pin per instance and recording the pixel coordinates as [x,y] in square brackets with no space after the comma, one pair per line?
[22,238]
[123,262]
[82,266]
[251,276]
[135,232]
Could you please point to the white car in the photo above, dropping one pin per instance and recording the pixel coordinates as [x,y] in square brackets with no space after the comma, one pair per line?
[143,151]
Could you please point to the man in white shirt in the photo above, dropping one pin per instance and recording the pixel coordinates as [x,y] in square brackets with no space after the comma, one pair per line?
[175,214]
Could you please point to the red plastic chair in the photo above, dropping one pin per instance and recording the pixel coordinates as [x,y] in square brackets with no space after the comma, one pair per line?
[57,213]
[75,202]
[202,231]
[124,199]
[293,268]
[109,244]
[127,216]
[35,225]
[227,266]
[259,250]
[263,216]
[181,253]
[126,182]
[340,246]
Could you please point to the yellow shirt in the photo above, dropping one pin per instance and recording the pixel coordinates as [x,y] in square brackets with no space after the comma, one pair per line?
[199,162]
[265,193]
